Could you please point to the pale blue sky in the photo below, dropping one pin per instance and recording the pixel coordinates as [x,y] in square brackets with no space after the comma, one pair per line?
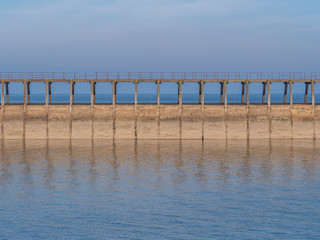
[159,35]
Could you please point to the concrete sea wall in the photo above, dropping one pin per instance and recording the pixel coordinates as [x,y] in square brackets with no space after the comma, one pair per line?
[164,122]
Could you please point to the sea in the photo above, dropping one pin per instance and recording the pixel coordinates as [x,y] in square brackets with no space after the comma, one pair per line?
[158,189]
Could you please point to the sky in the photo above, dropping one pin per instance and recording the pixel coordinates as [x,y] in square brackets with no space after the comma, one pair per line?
[159,35]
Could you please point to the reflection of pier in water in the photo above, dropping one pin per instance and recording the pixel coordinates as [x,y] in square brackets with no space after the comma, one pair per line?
[262,160]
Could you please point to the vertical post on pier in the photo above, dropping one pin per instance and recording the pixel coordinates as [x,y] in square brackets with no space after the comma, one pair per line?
[264,92]
[221,92]
[225,93]
[28,92]
[242,93]
[71,92]
[93,93]
[47,97]
[50,97]
[2,93]
[306,93]
[7,92]
[158,93]
[180,93]
[269,95]
[312,93]
[291,93]
[201,97]
[25,85]
[247,92]
[114,93]
[285,92]
[135,94]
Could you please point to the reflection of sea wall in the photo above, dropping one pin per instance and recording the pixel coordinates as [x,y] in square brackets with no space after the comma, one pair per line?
[164,122]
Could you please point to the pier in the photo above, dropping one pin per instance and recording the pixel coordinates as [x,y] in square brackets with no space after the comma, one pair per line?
[158,120]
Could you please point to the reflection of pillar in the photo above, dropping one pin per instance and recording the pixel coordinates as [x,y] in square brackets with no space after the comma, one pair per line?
[285,92]
[263,92]
[28,91]
[7,92]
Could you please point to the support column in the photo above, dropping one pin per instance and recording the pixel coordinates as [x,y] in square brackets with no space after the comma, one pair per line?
[263,92]
[25,84]
[47,97]
[180,93]
[114,93]
[242,93]
[225,94]
[201,97]
[247,93]
[50,98]
[306,93]
[269,95]
[291,98]
[285,92]
[2,93]
[135,94]
[221,92]
[158,93]
[93,93]
[312,93]
[71,92]
[28,91]
[7,92]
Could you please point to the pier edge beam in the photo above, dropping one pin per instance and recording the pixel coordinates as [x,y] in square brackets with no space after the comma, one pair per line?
[2,93]
[285,92]
[93,92]
[7,92]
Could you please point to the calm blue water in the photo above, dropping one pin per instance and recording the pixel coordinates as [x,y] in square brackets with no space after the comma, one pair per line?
[160,190]
[152,98]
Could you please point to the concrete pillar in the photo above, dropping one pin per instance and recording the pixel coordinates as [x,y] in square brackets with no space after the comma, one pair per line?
[263,92]
[201,97]
[291,98]
[135,94]
[158,93]
[93,93]
[25,85]
[312,93]
[2,93]
[269,95]
[306,92]
[225,93]
[47,97]
[285,92]
[7,92]
[28,91]
[247,92]
[180,93]
[221,92]
[50,98]
[72,92]
[114,93]
[242,93]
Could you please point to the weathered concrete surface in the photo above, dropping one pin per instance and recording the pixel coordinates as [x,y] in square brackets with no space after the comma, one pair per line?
[164,122]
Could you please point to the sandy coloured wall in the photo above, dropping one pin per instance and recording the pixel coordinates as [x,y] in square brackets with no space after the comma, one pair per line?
[166,122]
